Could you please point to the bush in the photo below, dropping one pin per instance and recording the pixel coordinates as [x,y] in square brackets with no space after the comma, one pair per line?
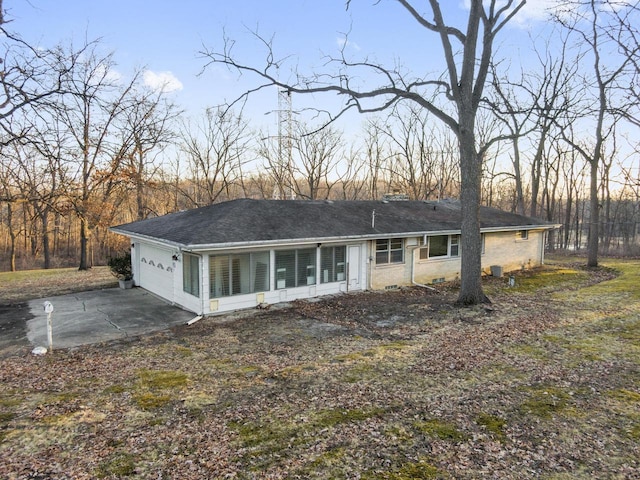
[121,266]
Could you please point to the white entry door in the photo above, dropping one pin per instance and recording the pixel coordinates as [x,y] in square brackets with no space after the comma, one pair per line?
[353,267]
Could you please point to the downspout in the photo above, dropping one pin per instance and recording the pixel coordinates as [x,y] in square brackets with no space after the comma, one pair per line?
[413,271]
[203,302]
[370,265]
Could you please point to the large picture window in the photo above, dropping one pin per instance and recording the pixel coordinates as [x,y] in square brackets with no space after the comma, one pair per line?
[389,250]
[238,274]
[191,274]
[440,246]
[332,264]
[295,268]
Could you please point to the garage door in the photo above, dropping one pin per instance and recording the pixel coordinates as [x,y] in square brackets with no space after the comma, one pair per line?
[156,271]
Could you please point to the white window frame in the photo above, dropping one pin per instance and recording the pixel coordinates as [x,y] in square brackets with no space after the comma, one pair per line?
[389,251]
[232,279]
[453,244]
[302,275]
[191,279]
[331,268]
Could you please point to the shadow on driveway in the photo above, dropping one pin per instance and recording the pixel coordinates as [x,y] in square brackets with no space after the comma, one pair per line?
[85,318]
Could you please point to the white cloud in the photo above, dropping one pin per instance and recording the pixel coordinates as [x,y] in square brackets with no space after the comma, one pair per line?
[537,10]
[104,73]
[344,43]
[162,81]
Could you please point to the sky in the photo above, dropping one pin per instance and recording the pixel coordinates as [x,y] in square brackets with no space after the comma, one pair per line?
[165,37]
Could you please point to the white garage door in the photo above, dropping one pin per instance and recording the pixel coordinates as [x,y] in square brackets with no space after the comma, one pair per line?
[156,271]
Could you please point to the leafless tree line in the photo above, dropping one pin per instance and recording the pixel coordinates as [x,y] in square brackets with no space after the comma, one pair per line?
[83,148]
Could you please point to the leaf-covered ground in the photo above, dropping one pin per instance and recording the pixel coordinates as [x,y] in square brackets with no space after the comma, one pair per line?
[542,383]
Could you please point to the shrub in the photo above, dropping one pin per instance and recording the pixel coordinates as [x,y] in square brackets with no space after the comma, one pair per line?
[121,266]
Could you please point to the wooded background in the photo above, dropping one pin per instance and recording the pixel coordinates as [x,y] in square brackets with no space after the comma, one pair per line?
[82,150]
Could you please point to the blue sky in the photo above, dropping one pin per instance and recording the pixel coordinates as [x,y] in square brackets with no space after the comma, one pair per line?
[165,36]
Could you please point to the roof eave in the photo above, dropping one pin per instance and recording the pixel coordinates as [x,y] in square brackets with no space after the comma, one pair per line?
[515,228]
[315,240]
[148,238]
[283,242]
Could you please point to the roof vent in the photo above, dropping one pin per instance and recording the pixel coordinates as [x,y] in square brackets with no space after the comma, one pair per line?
[395,197]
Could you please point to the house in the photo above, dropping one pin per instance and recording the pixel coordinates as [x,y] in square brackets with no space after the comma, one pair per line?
[243,253]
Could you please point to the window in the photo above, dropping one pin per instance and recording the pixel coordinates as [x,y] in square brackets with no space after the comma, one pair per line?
[523,234]
[389,250]
[332,264]
[238,274]
[454,245]
[191,274]
[295,268]
[440,246]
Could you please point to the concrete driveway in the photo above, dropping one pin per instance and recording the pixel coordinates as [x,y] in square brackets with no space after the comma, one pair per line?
[86,318]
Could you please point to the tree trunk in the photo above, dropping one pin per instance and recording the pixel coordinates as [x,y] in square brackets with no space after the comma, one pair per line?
[12,236]
[140,198]
[46,249]
[84,237]
[518,177]
[567,217]
[535,178]
[471,182]
[594,217]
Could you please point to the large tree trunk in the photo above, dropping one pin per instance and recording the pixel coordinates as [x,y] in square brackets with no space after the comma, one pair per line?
[471,179]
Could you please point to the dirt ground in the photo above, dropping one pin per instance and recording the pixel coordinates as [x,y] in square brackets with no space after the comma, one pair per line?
[541,383]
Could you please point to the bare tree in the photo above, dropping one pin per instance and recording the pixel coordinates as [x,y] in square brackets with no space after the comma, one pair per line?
[350,184]
[412,161]
[279,170]
[216,150]
[530,108]
[317,154]
[468,55]
[42,173]
[93,100]
[376,151]
[597,25]
[10,196]
[146,130]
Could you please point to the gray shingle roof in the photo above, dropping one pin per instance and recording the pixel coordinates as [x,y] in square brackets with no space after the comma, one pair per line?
[246,220]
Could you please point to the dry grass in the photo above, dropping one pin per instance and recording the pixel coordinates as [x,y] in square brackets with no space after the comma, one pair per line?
[399,385]
[29,284]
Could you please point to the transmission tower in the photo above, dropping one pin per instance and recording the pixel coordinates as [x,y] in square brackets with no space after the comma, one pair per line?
[285,146]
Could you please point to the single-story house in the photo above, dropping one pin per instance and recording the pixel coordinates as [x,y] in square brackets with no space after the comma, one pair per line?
[244,253]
